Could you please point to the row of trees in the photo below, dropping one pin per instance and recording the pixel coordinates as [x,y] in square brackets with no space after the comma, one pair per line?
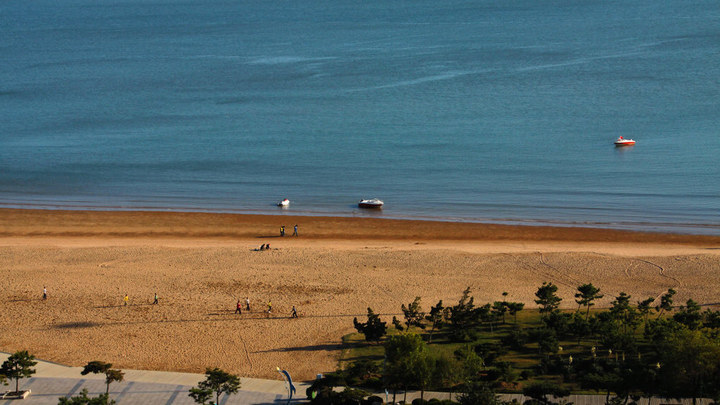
[631,349]
[461,320]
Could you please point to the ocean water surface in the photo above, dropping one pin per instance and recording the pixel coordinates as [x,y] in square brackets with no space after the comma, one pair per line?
[482,110]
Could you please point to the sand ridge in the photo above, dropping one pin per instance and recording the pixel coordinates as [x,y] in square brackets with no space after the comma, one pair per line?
[200,264]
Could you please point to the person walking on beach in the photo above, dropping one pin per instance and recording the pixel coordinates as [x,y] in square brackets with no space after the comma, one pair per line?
[282,230]
[295,231]
[238,308]
[126,299]
[293,313]
[155,301]
[44,293]
[269,310]
[247,303]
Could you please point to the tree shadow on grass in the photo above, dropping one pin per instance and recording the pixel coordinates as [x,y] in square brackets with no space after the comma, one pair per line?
[311,348]
[363,357]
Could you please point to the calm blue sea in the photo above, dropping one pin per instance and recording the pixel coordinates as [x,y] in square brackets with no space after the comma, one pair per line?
[482,110]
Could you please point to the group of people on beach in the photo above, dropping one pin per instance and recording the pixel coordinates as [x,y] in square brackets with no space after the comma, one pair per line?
[295,230]
[239,308]
[266,246]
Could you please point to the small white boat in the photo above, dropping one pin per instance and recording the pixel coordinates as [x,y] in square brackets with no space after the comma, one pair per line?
[624,142]
[371,203]
[284,203]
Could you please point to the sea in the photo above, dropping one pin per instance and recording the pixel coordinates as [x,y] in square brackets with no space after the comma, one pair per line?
[491,111]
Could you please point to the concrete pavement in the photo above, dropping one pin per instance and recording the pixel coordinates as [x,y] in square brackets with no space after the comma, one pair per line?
[52,381]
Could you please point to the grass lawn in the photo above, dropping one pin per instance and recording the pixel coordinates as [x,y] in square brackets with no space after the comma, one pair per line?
[488,343]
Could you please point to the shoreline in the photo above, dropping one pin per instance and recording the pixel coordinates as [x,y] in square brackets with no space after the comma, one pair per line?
[673,228]
[172,224]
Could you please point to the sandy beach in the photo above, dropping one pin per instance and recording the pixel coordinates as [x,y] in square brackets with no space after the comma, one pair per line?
[200,264]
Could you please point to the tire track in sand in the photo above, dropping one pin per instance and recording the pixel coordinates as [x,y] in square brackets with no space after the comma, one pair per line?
[550,274]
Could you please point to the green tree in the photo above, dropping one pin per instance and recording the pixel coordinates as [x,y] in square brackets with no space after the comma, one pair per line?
[587,293]
[423,365]
[711,319]
[499,309]
[624,313]
[547,341]
[689,315]
[660,330]
[111,375]
[486,314]
[622,378]
[327,396]
[84,399]
[446,373]
[413,313]
[406,361]
[505,372]
[397,324]
[479,393]
[216,382]
[18,365]
[464,317]
[436,317]
[644,307]
[666,302]
[539,392]
[690,365]
[200,395]
[579,326]
[547,298]
[514,308]
[374,329]
[472,363]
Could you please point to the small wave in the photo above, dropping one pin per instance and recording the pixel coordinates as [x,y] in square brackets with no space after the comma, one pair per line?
[283,60]
[579,61]
[420,80]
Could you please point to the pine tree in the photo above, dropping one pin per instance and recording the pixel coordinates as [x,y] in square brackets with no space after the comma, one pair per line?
[373,329]
[547,298]
[18,365]
[587,293]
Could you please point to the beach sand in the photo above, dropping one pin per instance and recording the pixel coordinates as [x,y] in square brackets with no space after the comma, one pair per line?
[200,264]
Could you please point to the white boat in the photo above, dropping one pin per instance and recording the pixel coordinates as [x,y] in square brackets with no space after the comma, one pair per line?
[371,203]
[624,142]
[284,203]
